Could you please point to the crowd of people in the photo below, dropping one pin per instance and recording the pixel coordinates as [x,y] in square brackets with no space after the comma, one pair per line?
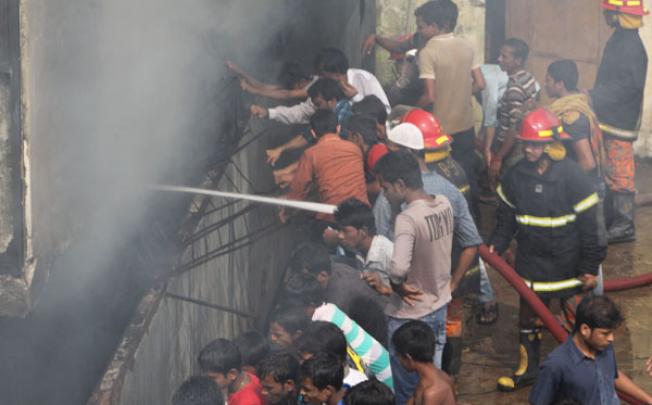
[371,308]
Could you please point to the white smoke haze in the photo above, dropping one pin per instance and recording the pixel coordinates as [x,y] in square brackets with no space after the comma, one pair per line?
[120,94]
[134,85]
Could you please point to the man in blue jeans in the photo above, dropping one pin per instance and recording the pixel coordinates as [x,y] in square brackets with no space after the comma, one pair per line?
[420,273]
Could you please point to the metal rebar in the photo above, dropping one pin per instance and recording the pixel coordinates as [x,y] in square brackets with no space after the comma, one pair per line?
[210,305]
[232,246]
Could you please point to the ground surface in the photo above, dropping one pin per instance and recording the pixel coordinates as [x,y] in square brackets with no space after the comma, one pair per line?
[491,351]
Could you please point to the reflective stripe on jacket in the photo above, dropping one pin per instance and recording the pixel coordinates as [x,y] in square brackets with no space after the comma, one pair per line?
[553,217]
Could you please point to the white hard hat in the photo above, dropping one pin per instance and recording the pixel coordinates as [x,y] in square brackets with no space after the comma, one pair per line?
[407,135]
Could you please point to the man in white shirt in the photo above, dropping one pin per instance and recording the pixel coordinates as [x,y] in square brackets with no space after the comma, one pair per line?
[357,232]
[331,63]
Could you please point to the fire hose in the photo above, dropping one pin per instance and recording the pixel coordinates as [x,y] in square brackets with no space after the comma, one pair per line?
[622,284]
[540,308]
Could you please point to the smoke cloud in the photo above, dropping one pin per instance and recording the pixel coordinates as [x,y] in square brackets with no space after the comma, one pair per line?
[119,94]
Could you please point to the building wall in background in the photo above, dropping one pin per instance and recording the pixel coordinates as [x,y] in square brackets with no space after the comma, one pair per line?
[396,18]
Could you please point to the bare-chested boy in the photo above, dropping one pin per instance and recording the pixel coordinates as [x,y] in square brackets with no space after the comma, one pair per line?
[415,346]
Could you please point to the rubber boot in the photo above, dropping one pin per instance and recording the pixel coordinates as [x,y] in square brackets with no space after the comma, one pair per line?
[528,365]
[622,227]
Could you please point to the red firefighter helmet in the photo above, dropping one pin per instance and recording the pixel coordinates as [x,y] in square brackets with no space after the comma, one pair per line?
[433,137]
[374,154]
[541,125]
[633,7]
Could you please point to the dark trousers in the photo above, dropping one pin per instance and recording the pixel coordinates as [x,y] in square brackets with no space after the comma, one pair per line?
[463,151]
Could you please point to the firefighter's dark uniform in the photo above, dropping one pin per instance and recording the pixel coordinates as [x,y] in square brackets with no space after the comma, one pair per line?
[554,219]
[617,99]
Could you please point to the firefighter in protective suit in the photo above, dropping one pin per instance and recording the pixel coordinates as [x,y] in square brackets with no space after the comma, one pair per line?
[550,204]
[617,98]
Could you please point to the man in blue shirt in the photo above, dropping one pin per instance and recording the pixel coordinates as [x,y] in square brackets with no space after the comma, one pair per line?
[584,367]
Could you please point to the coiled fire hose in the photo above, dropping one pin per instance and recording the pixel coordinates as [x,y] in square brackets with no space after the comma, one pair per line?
[541,310]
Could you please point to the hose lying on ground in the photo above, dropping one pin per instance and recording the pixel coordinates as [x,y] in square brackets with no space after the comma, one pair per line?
[621,284]
[535,302]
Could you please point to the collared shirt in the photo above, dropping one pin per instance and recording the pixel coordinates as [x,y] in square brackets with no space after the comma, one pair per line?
[519,97]
[367,85]
[334,167]
[449,60]
[496,83]
[379,257]
[567,372]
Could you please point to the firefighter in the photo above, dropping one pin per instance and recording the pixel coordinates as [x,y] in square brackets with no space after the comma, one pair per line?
[550,204]
[617,100]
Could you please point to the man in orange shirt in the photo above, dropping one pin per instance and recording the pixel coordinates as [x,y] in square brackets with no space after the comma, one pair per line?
[333,168]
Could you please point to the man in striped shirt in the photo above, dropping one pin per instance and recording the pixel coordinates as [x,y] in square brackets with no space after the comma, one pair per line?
[520,97]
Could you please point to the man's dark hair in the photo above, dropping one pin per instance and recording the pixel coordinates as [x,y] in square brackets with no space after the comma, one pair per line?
[331,60]
[400,165]
[253,347]
[323,122]
[416,339]
[328,89]
[441,12]
[322,336]
[282,366]
[302,292]
[291,74]
[372,106]
[312,257]
[597,311]
[520,49]
[371,392]
[287,158]
[355,213]
[198,391]
[219,356]
[365,126]
[292,319]
[323,369]
[565,70]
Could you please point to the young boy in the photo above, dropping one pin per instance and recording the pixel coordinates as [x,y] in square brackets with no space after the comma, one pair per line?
[322,380]
[221,361]
[279,374]
[415,346]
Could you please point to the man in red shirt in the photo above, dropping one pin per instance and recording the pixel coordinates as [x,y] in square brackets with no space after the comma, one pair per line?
[220,360]
[333,167]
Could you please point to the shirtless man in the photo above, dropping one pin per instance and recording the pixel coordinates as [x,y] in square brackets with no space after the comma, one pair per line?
[415,346]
